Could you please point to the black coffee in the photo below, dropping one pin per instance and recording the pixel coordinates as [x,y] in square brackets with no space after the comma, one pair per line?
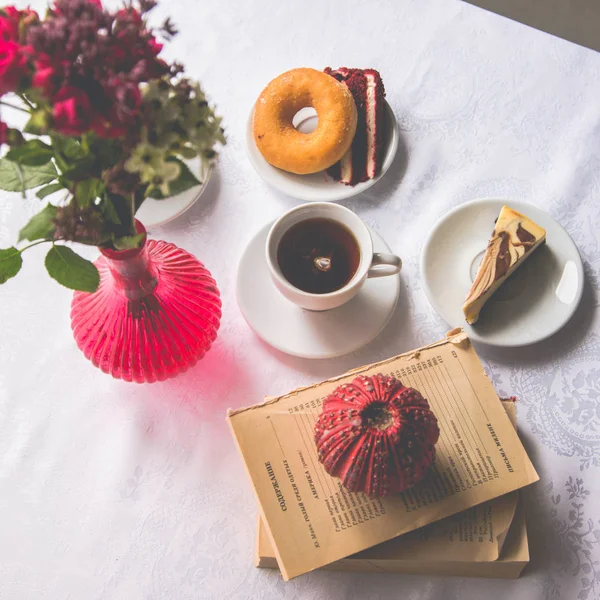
[318,255]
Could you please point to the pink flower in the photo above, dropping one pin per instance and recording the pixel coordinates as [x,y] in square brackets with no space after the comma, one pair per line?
[12,65]
[3,132]
[72,111]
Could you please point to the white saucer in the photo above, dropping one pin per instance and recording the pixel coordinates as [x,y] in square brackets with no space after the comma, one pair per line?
[154,213]
[307,334]
[318,187]
[532,305]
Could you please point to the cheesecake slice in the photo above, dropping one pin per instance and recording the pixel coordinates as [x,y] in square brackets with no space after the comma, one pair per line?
[514,238]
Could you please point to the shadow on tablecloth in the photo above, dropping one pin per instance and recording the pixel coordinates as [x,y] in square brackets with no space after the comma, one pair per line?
[560,344]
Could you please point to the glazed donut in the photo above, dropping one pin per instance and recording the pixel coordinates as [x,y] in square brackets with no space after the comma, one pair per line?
[281,144]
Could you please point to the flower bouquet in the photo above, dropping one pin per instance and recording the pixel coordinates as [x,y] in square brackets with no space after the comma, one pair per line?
[110,123]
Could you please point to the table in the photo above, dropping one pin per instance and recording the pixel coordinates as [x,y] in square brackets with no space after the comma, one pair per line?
[111,490]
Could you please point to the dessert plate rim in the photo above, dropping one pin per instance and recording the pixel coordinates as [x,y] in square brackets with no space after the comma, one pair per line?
[155,213]
[284,323]
[533,327]
[318,187]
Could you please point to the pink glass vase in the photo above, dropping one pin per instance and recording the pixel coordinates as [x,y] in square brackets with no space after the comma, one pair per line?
[155,314]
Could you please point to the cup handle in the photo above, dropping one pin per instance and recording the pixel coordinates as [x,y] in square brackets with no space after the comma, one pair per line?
[384,264]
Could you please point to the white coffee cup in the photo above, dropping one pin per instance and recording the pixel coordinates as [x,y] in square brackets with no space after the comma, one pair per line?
[370,265]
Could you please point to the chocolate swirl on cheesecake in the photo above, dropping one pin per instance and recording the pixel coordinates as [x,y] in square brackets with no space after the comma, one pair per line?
[525,237]
[512,240]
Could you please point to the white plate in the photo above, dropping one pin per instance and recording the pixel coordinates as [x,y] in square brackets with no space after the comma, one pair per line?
[154,213]
[531,305]
[307,334]
[318,187]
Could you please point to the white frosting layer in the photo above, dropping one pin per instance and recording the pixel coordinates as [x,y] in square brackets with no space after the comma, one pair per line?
[371,113]
[346,167]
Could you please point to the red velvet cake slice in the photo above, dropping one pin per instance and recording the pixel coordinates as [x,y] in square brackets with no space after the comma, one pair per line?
[364,158]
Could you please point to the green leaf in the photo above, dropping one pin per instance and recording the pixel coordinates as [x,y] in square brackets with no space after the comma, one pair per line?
[185,181]
[49,189]
[33,153]
[10,263]
[71,149]
[14,178]
[71,158]
[40,227]
[61,163]
[109,211]
[85,191]
[80,169]
[188,152]
[106,152]
[71,270]
[38,123]
[128,241]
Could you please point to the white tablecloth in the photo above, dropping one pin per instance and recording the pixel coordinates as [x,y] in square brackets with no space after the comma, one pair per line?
[111,490]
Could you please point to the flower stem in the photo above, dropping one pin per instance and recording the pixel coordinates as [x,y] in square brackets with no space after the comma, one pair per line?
[33,244]
[133,227]
[24,98]
[15,107]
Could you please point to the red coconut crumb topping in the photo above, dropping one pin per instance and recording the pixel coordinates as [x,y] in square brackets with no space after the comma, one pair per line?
[356,167]
[377,435]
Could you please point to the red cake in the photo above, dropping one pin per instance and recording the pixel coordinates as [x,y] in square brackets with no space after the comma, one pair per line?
[364,158]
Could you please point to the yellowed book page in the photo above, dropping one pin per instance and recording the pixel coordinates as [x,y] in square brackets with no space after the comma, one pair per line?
[514,557]
[474,535]
[312,520]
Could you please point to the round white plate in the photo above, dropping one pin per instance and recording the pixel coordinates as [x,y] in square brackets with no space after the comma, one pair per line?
[531,305]
[307,334]
[154,213]
[318,187]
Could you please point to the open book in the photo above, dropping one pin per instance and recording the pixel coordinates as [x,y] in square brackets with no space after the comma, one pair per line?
[488,540]
[311,520]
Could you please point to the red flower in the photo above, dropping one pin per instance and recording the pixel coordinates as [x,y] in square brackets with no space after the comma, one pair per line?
[13,13]
[11,19]
[56,9]
[154,46]
[29,17]
[47,76]
[129,15]
[9,24]
[72,111]
[155,68]
[9,31]
[127,101]
[117,53]
[3,132]
[108,129]
[12,65]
